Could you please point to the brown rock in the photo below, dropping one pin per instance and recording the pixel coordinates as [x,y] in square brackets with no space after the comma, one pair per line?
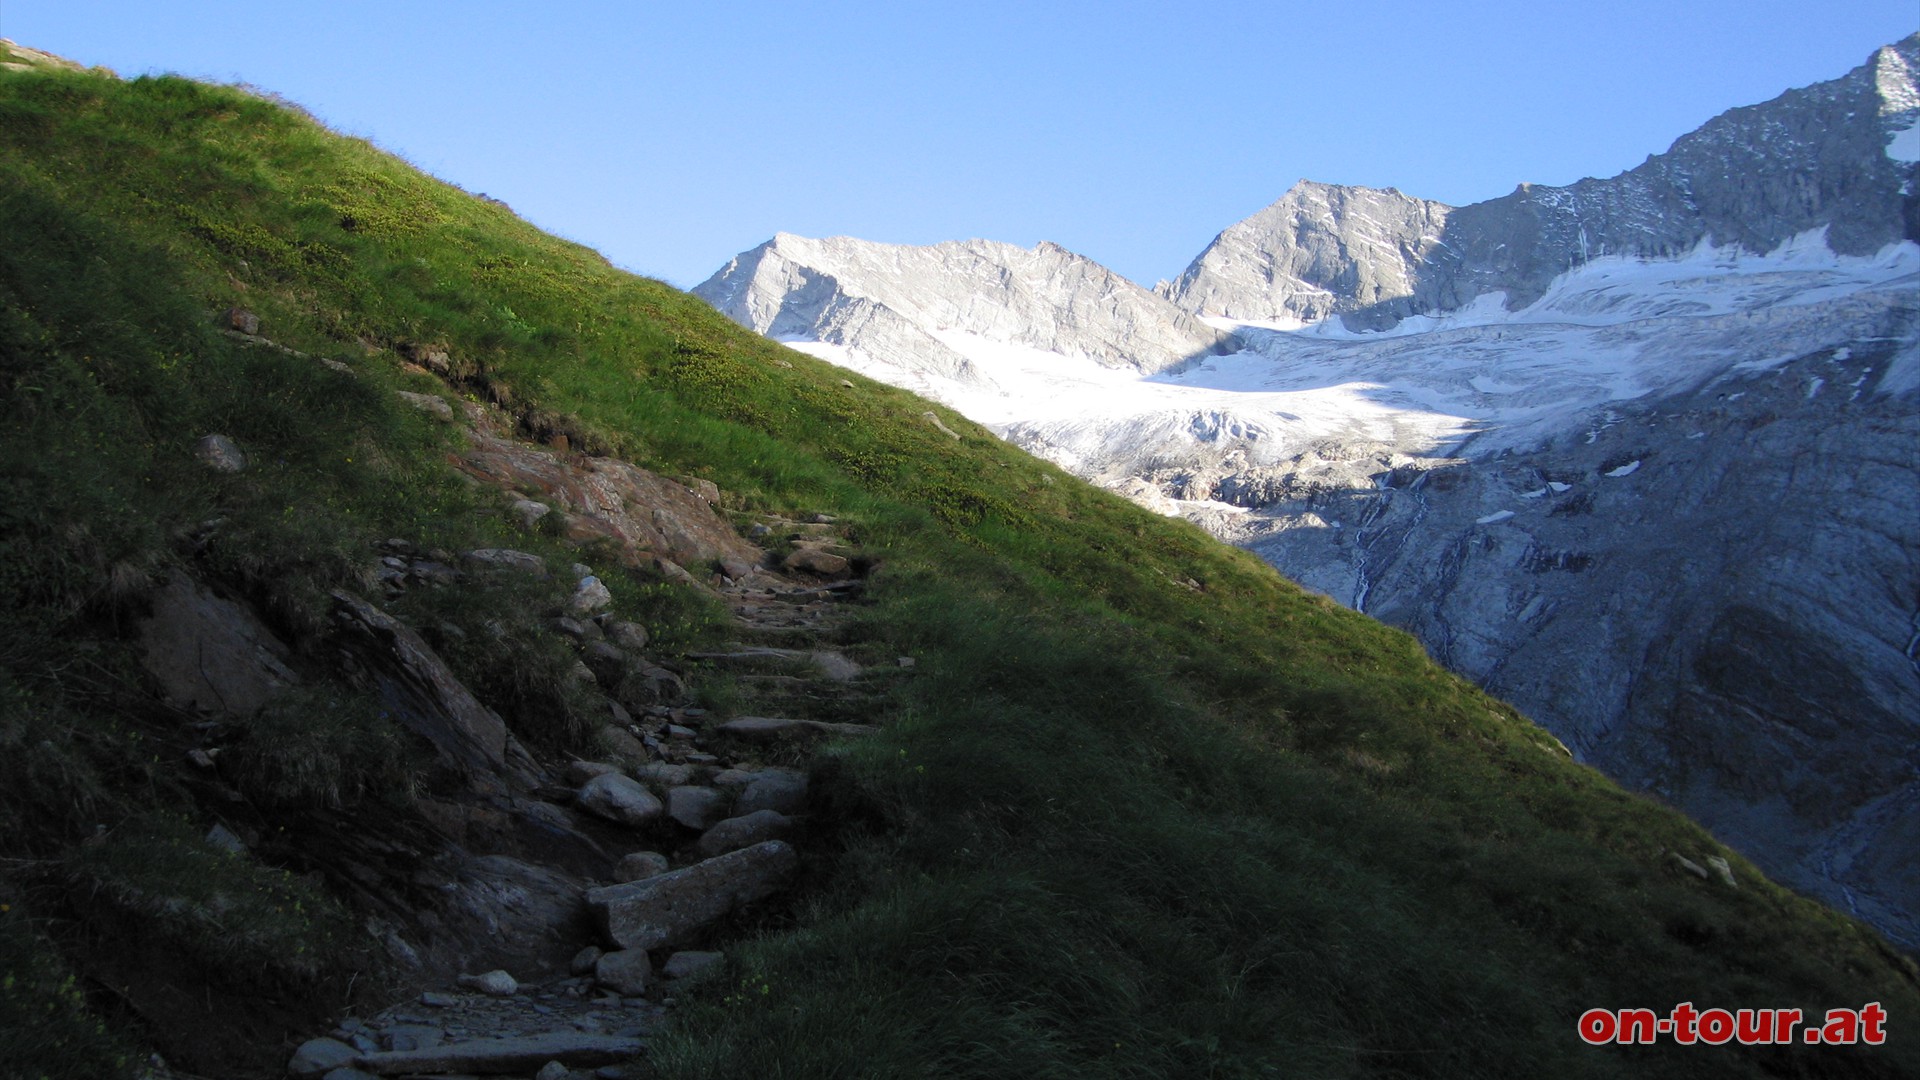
[814,561]
[644,514]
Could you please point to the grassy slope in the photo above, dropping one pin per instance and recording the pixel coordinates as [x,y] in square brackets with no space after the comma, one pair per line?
[1148,810]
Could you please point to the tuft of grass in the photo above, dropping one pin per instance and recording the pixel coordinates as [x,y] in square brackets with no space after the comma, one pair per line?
[324,747]
[220,914]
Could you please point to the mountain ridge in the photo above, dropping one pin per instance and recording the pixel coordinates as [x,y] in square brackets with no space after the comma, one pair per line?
[1753,176]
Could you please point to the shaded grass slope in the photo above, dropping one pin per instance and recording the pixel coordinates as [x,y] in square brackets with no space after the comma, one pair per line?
[1146,809]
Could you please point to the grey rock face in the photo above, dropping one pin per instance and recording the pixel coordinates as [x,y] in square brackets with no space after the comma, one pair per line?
[689,965]
[889,301]
[392,659]
[210,653]
[1755,176]
[1711,594]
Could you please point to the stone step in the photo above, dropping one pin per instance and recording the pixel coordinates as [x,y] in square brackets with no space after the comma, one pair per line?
[823,663]
[676,906]
[521,1054]
[791,634]
[769,728]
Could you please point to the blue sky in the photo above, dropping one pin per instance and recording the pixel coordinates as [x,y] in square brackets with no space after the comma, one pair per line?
[671,136]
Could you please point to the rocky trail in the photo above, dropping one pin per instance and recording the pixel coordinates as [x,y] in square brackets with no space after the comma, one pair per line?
[709,793]
[558,907]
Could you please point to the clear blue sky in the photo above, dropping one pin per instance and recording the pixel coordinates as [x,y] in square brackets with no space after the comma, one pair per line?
[671,136]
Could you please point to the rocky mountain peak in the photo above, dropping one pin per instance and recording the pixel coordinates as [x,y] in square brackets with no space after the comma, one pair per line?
[900,301]
[1811,159]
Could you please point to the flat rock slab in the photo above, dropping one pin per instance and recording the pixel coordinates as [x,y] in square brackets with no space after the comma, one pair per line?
[521,1054]
[210,653]
[768,728]
[671,908]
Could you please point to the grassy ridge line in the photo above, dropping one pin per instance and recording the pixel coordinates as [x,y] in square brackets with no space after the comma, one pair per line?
[1151,809]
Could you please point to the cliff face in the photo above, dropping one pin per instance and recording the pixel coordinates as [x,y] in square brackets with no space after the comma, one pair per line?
[1755,176]
[1708,591]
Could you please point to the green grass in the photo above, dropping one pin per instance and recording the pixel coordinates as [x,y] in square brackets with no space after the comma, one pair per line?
[1144,809]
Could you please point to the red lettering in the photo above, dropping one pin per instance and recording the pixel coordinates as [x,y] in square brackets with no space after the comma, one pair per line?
[1683,1020]
[1873,1020]
[1784,1021]
[1597,1026]
[1842,1027]
[1637,1026]
[1716,1026]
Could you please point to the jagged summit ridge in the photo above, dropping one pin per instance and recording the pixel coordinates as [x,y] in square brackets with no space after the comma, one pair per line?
[1755,176]
[889,300]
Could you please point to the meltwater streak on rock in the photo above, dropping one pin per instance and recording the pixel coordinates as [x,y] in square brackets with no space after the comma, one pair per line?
[1754,176]
[889,300]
